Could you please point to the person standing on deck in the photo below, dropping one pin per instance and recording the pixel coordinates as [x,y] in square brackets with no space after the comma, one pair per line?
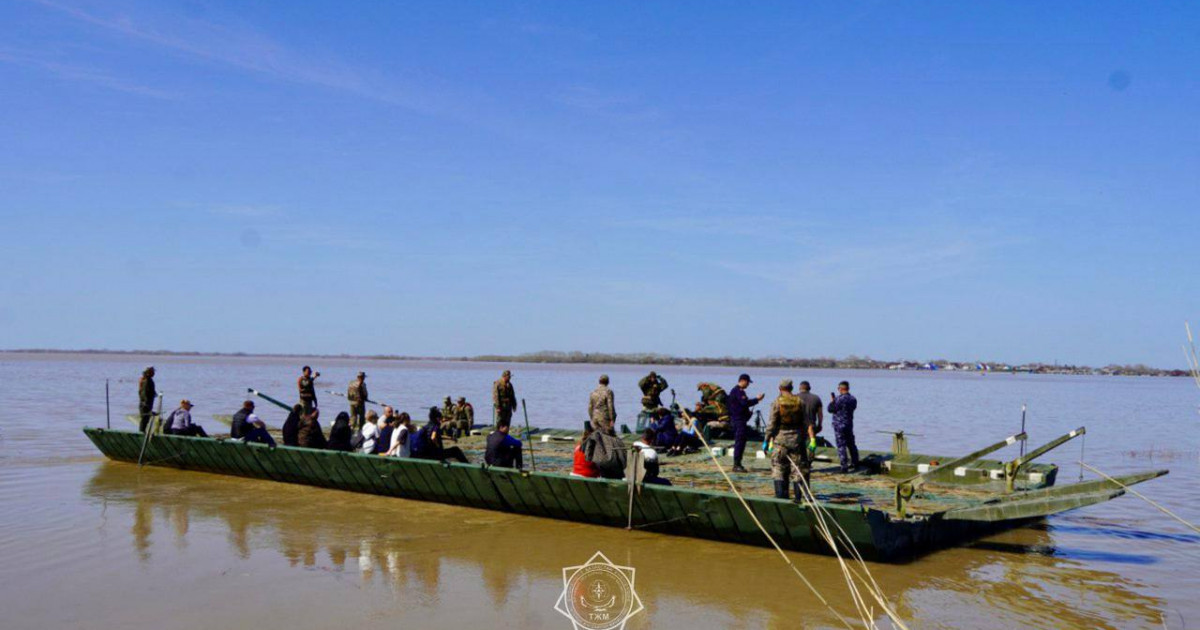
[306,386]
[739,417]
[652,386]
[842,408]
[504,399]
[795,441]
[602,407]
[356,393]
[814,411]
[146,395]
[240,425]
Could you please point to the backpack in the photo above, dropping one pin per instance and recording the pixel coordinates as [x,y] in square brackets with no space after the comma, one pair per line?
[607,452]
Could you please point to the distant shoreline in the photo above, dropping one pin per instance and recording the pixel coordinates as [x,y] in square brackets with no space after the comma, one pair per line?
[848,363]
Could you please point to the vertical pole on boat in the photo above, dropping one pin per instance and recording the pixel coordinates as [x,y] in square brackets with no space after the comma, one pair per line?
[637,455]
[107,408]
[1022,429]
[528,435]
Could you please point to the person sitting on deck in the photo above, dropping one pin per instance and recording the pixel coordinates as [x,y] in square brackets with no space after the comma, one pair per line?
[340,434]
[258,433]
[370,431]
[503,450]
[241,424]
[384,441]
[582,467]
[180,421]
[689,442]
[401,440]
[429,441]
[310,435]
[645,448]
[665,433]
[291,427]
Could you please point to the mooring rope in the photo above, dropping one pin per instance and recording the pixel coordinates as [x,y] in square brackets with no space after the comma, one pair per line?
[823,515]
[1143,497]
[754,517]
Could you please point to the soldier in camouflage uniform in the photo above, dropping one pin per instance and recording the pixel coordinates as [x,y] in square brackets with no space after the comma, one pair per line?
[504,399]
[356,393]
[712,408]
[652,386]
[447,409]
[602,407]
[147,392]
[795,441]
[306,387]
[462,417]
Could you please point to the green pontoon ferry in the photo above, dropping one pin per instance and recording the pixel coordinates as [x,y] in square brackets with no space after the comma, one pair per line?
[898,507]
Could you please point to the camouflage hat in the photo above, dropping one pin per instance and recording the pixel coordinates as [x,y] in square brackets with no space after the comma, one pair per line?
[786,384]
[447,399]
[462,399]
[604,379]
[506,373]
[362,375]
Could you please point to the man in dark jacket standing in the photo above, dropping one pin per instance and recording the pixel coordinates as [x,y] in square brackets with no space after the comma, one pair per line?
[146,395]
[739,416]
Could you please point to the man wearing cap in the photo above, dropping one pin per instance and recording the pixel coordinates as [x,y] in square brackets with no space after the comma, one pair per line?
[602,408]
[739,417]
[447,410]
[180,421]
[795,441]
[842,407]
[146,395]
[242,424]
[504,399]
[464,417]
[356,393]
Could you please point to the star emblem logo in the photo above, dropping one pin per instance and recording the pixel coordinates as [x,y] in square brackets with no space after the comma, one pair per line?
[598,595]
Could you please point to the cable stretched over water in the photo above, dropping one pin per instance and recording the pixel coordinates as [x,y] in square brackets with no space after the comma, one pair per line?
[1143,497]
[754,517]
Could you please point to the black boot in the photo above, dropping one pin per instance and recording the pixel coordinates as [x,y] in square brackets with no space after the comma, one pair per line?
[799,493]
[781,490]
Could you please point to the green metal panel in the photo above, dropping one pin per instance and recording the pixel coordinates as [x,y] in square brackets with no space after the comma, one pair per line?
[748,532]
[694,502]
[455,476]
[560,487]
[374,472]
[545,494]
[511,486]
[767,512]
[482,485]
[412,485]
[588,510]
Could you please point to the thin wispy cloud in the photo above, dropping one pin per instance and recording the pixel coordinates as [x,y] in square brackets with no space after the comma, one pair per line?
[242,47]
[83,74]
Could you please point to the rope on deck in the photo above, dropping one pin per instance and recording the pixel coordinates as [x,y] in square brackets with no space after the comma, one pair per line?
[1142,497]
[754,517]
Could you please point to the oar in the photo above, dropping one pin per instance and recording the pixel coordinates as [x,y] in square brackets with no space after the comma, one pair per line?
[269,399]
[369,401]
[529,436]
[150,431]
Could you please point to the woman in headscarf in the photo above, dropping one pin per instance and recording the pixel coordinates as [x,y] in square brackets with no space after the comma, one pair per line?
[291,427]
[310,434]
[340,433]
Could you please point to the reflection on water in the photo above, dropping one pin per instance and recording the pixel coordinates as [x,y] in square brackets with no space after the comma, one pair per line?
[413,549]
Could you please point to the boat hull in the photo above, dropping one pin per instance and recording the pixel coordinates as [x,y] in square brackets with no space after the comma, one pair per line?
[717,516]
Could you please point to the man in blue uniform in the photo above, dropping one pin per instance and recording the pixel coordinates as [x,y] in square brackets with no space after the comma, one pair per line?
[841,407]
[739,416]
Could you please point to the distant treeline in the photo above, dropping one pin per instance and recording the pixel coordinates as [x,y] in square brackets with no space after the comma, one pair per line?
[851,362]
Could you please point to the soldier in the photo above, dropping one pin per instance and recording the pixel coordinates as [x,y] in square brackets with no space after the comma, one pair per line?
[504,399]
[652,386]
[356,393]
[447,409]
[842,408]
[602,409]
[712,408]
[305,384]
[791,432]
[146,395]
[464,416]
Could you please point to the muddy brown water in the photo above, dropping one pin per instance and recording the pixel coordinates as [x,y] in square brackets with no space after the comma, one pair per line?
[88,543]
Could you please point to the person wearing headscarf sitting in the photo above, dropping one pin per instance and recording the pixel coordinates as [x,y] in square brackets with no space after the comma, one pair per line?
[310,434]
[665,433]
[291,427]
[258,433]
[340,434]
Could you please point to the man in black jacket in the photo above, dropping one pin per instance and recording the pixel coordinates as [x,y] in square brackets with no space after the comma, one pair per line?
[503,450]
[241,421]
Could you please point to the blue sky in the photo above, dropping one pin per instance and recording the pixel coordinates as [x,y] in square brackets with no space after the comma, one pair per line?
[1009,181]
